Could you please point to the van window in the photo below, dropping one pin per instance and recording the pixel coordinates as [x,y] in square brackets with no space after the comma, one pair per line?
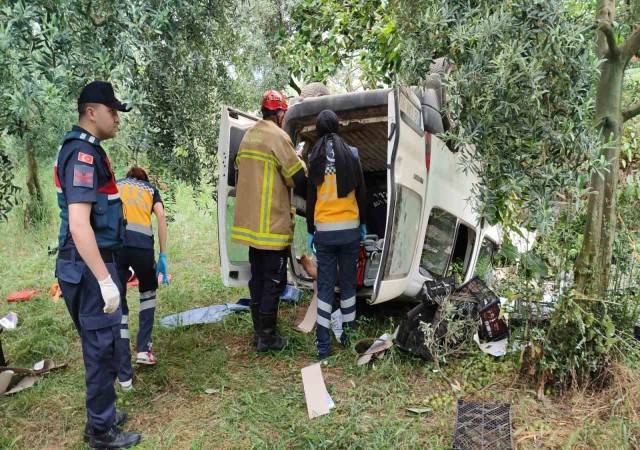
[404,233]
[438,242]
[485,259]
[462,250]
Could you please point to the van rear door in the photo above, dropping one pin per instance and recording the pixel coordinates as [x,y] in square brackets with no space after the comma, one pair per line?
[406,188]
[234,258]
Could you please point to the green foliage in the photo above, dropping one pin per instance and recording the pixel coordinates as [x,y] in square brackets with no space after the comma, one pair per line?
[582,337]
[323,38]
[521,96]
[177,63]
[8,192]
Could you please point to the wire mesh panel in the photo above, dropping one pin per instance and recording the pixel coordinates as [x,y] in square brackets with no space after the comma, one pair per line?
[483,426]
[475,289]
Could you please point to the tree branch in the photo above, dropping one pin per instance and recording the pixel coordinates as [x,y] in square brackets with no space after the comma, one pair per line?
[605,28]
[294,85]
[631,45]
[631,111]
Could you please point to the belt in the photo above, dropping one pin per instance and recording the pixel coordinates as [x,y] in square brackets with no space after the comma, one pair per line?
[107,255]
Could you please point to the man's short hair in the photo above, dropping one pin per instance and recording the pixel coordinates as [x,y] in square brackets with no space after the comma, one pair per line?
[82,108]
[266,113]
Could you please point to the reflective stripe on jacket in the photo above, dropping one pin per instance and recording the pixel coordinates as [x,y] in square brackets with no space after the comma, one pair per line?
[266,163]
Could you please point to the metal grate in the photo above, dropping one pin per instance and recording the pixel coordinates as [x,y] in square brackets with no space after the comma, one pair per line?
[483,426]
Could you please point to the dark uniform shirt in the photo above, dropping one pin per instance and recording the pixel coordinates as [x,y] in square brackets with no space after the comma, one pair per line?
[83,175]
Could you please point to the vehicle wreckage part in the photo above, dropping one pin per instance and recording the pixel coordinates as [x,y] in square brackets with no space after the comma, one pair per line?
[483,426]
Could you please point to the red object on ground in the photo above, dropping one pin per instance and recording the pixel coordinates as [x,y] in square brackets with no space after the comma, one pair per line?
[22,296]
[134,280]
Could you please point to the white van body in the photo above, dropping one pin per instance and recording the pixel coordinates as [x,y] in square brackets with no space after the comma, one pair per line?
[431,228]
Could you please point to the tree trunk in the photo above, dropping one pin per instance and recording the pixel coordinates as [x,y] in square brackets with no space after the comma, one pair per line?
[593,266]
[33,211]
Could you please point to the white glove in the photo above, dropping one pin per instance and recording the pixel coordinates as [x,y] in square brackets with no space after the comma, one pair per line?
[110,295]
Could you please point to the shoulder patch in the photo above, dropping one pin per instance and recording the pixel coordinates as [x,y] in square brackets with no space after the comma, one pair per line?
[83,175]
[83,157]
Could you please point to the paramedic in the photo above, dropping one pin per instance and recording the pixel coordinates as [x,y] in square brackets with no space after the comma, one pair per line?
[336,218]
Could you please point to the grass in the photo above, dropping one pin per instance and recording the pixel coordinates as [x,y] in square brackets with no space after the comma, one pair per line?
[258,401]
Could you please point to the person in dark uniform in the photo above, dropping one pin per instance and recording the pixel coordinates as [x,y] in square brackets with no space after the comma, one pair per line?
[91,230]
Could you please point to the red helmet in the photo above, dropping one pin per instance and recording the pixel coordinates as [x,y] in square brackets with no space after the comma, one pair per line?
[274,100]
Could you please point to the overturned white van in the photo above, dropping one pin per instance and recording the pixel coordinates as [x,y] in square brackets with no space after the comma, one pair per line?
[421,203]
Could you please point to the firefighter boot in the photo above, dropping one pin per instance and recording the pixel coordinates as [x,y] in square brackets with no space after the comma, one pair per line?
[269,340]
[255,318]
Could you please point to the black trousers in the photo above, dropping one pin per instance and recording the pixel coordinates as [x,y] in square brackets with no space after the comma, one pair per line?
[141,260]
[268,277]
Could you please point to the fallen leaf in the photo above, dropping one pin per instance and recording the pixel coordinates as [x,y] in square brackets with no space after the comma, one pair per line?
[419,410]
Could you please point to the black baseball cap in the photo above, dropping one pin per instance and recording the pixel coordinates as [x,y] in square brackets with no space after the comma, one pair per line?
[102,92]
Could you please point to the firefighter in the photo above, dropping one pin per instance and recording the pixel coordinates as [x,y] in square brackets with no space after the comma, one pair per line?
[140,200]
[267,168]
[336,218]
[91,231]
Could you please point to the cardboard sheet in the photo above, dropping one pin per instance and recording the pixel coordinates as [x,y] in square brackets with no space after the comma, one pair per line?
[307,322]
[319,402]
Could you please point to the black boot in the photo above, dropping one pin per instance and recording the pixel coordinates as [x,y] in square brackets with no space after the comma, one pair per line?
[269,340]
[121,419]
[113,439]
[255,318]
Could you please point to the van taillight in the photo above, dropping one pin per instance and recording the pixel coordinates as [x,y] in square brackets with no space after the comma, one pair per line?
[427,150]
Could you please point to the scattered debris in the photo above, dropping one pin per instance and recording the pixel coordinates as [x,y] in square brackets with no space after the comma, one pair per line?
[211,391]
[207,314]
[10,321]
[291,294]
[40,368]
[319,402]
[54,292]
[5,379]
[22,296]
[378,348]
[306,319]
[419,410]
[483,426]
[494,327]
[498,348]
[470,300]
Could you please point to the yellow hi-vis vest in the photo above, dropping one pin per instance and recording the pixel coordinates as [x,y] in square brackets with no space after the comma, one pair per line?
[331,212]
[266,163]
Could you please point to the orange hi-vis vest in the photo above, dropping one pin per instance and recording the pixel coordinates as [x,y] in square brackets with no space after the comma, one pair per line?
[138,198]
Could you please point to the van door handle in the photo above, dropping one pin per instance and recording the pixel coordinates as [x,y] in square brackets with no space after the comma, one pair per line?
[392,132]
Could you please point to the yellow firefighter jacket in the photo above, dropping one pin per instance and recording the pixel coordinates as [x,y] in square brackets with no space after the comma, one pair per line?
[266,163]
